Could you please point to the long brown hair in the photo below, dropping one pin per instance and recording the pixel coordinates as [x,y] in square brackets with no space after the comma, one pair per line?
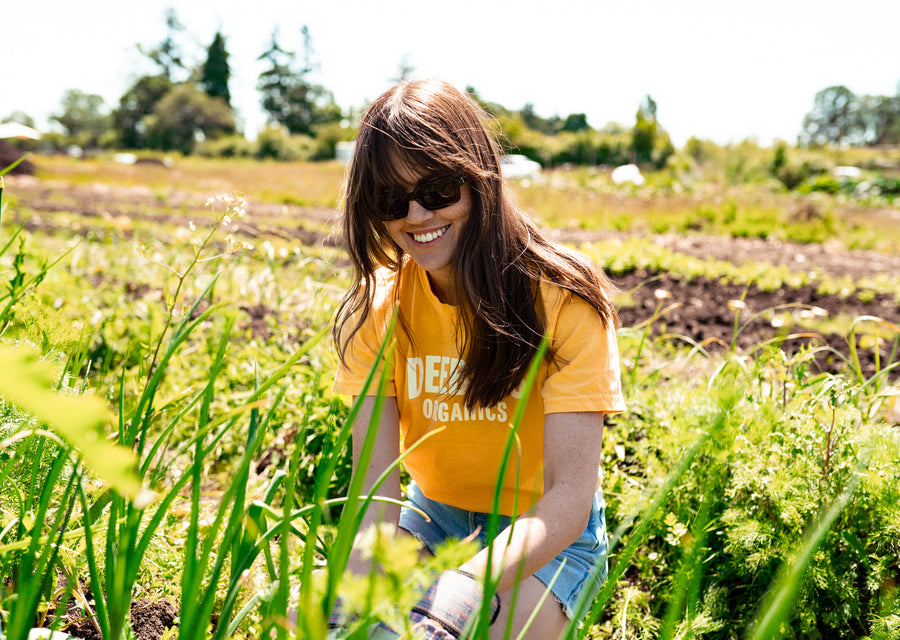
[431,127]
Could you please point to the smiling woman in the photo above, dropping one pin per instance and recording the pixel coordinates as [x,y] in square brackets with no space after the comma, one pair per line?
[430,227]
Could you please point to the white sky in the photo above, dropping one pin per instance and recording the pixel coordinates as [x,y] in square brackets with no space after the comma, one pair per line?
[724,70]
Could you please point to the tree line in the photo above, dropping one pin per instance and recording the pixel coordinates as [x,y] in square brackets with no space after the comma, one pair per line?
[841,117]
[180,106]
[187,108]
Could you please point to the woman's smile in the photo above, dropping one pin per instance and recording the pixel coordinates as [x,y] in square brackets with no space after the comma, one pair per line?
[429,236]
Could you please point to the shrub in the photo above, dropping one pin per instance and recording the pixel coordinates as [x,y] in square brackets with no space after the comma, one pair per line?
[823,183]
[227,147]
[887,186]
[793,444]
[276,143]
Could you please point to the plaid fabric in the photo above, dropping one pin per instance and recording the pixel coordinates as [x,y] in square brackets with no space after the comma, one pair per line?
[338,619]
[453,600]
[442,613]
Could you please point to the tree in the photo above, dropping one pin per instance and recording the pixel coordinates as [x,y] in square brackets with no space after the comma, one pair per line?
[167,54]
[404,71]
[644,132]
[138,103]
[879,118]
[834,119]
[82,117]
[184,116]
[215,72]
[532,120]
[576,122]
[649,141]
[19,117]
[493,108]
[288,97]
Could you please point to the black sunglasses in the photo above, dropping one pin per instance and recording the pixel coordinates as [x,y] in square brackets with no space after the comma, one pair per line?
[431,193]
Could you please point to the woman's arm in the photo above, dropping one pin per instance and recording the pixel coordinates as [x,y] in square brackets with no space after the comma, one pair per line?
[384,453]
[572,445]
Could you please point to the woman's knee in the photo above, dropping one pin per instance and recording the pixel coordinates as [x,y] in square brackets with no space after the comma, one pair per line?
[550,622]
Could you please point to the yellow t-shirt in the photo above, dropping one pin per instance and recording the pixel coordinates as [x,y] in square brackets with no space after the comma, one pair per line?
[460,465]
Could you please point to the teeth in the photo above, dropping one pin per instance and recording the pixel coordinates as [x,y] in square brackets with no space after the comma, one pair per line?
[431,235]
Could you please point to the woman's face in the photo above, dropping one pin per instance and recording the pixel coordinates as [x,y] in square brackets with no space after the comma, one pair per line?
[430,237]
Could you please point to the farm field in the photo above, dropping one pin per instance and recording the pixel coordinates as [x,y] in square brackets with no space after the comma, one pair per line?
[759,460]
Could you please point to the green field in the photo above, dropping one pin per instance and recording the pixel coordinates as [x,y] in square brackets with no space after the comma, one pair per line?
[171,446]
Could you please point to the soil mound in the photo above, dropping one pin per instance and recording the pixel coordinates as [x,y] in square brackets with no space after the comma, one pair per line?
[149,621]
[9,154]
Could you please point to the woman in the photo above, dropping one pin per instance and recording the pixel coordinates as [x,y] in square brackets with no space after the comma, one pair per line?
[430,227]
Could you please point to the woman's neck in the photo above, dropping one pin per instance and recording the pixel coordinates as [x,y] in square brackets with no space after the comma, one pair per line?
[442,287]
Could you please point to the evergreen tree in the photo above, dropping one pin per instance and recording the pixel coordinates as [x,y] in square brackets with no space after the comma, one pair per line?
[643,134]
[288,97]
[167,54]
[649,141]
[215,72]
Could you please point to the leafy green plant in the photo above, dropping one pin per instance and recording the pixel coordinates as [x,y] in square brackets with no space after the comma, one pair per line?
[39,526]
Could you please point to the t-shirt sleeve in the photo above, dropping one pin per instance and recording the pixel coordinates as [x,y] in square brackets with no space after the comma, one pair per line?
[585,375]
[362,353]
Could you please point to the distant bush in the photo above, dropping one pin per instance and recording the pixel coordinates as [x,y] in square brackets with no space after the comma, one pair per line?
[887,186]
[593,148]
[822,183]
[276,143]
[228,147]
[326,139]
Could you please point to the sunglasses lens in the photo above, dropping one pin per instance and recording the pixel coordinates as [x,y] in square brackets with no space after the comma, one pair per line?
[432,194]
[439,193]
[392,205]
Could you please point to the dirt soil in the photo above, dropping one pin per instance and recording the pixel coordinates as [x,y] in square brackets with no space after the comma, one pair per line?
[149,621]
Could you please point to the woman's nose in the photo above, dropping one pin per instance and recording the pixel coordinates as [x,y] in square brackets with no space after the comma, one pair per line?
[417,212]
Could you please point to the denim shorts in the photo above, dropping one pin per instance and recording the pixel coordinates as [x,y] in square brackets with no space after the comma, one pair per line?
[451,523]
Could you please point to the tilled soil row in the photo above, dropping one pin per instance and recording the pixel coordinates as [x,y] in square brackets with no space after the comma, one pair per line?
[705,312]
[700,310]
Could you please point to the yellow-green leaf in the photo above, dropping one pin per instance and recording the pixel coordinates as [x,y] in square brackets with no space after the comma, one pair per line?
[27,382]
